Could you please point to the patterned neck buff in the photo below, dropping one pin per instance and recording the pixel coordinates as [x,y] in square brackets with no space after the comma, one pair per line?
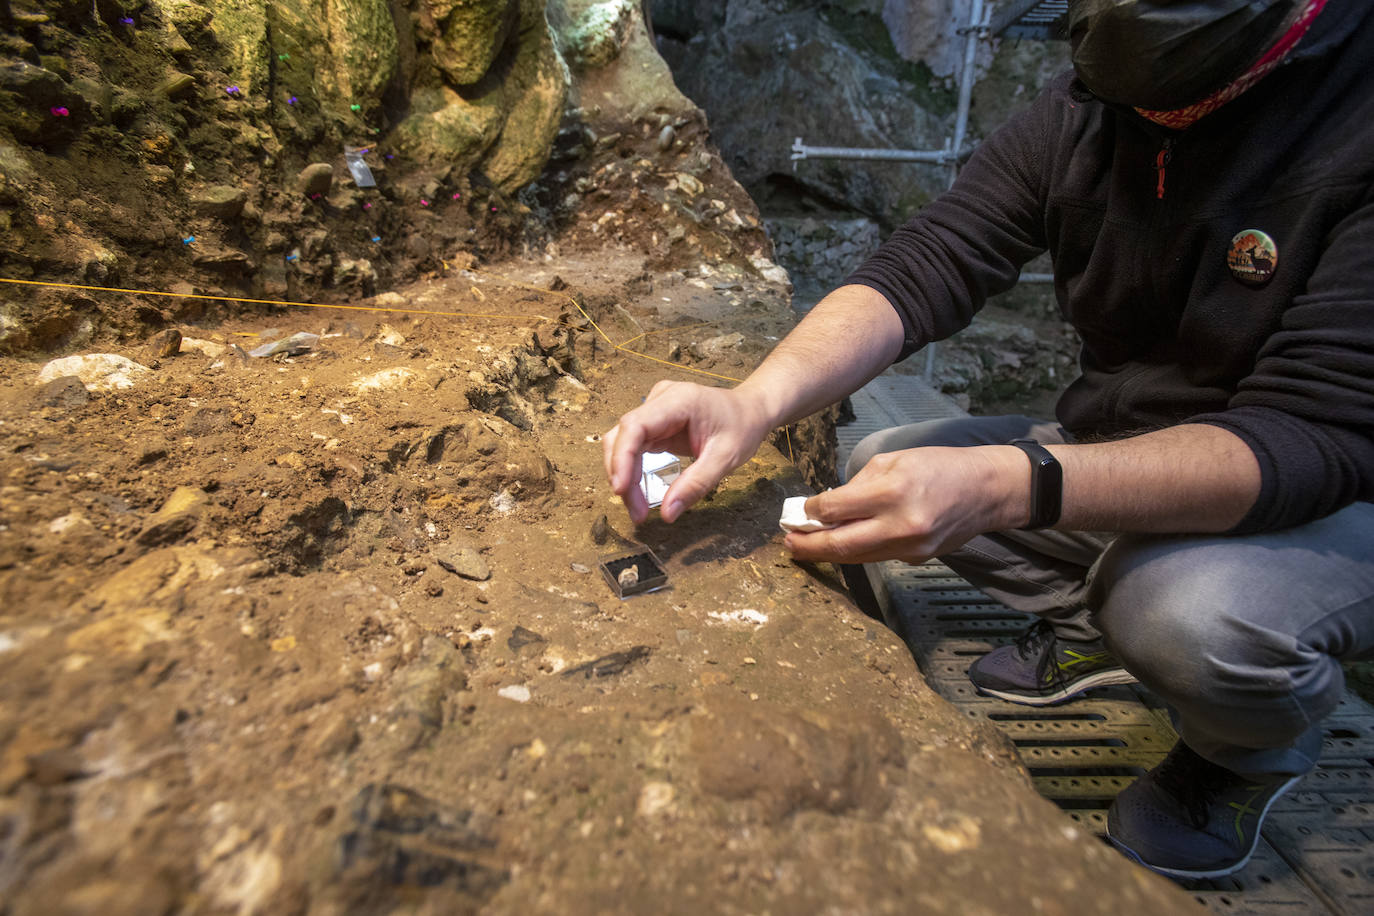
[1186,117]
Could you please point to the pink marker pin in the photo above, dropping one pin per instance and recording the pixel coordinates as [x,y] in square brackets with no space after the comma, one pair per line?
[368,205]
[423,202]
[456,195]
[58,112]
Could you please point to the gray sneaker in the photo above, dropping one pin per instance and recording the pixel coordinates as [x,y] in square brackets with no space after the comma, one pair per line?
[1041,668]
[1189,818]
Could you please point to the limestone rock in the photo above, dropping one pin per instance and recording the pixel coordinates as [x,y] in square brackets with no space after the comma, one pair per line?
[220,202]
[470,35]
[316,178]
[463,560]
[178,515]
[97,371]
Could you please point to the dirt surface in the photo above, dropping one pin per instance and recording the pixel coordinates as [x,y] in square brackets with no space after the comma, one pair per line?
[275,643]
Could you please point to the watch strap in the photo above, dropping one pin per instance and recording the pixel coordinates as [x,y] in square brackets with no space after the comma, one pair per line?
[1047,484]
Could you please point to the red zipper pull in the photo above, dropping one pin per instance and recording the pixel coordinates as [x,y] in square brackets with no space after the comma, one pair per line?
[1162,160]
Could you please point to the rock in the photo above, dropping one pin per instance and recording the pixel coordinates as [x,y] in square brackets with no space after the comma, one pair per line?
[716,347]
[178,515]
[394,379]
[471,35]
[177,85]
[462,560]
[386,333]
[220,202]
[163,344]
[205,347]
[517,692]
[690,184]
[316,178]
[64,391]
[97,371]
[609,665]
[666,137]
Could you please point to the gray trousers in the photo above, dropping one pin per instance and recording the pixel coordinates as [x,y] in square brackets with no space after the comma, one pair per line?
[1242,636]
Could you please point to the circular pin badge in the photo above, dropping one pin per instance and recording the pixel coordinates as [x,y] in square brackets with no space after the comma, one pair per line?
[1253,257]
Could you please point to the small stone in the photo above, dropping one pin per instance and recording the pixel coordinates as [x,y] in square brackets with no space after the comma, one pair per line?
[97,371]
[629,576]
[517,692]
[666,138]
[178,515]
[64,391]
[316,178]
[220,202]
[163,344]
[205,347]
[388,335]
[176,85]
[654,798]
[601,530]
[463,561]
[580,568]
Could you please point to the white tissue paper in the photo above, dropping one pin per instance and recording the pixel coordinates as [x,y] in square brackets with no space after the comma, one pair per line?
[794,517]
[657,473]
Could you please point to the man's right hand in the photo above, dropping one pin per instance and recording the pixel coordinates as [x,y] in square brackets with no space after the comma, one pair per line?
[720,428]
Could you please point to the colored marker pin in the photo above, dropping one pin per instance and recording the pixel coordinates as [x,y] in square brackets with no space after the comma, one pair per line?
[59,112]
[390,156]
[233,91]
[376,238]
[292,257]
[127,20]
[283,57]
[292,100]
[188,240]
[423,202]
[456,195]
[368,205]
[315,196]
[355,108]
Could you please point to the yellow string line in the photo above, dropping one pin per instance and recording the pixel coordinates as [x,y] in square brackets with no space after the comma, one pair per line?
[308,305]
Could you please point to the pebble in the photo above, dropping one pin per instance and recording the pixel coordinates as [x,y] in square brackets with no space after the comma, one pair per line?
[97,371]
[163,344]
[517,692]
[316,178]
[462,560]
[64,391]
[666,138]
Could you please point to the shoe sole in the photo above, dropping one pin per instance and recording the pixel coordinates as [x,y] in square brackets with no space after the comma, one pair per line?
[1107,678]
[1187,875]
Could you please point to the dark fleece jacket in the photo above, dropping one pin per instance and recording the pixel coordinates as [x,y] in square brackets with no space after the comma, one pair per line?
[1139,220]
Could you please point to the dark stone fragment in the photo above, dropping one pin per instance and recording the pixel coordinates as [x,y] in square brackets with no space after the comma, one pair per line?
[608,665]
[67,391]
[390,808]
[521,637]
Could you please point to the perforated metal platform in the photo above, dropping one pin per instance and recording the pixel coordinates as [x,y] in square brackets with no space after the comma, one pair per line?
[1317,851]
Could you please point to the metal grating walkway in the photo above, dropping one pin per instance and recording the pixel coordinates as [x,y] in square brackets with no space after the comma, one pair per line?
[1317,851]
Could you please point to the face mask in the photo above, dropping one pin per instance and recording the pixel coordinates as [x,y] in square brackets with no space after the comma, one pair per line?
[1166,54]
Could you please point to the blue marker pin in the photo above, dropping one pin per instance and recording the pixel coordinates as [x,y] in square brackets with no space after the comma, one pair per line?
[188,240]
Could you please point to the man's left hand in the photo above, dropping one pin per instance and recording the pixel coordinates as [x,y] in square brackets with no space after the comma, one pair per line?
[916,504]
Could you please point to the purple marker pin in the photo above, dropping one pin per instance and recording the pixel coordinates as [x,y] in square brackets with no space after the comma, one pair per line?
[390,156]
[292,100]
[127,20]
[233,92]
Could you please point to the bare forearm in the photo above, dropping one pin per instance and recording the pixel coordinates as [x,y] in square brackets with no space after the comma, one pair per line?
[1189,478]
[848,338]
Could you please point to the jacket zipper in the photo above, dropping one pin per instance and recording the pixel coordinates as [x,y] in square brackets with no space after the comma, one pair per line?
[1166,153]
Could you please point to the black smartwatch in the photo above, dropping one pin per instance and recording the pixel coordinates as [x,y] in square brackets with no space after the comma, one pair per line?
[1047,484]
